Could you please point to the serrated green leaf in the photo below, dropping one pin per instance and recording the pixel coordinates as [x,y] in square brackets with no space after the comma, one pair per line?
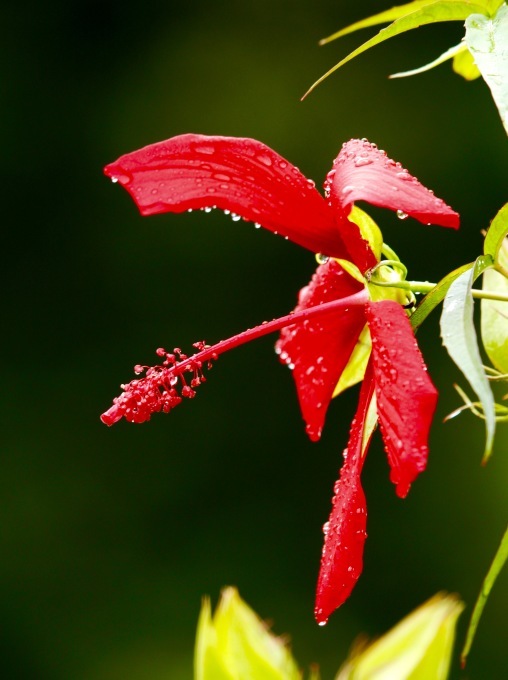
[440,10]
[497,231]
[487,40]
[436,296]
[459,338]
[494,321]
[463,65]
[498,563]
[449,54]
[419,647]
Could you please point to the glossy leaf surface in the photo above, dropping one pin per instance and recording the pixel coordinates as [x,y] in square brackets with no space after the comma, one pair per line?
[459,337]
[487,39]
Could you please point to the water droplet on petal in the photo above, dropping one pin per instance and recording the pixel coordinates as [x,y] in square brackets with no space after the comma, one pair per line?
[359,161]
[322,259]
[402,215]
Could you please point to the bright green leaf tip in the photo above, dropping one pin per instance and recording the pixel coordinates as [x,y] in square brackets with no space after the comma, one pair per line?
[235,643]
[419,647]
[405,18]
[497,231]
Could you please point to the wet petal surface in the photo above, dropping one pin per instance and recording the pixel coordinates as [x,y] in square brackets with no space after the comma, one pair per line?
[345,531]
[406,397]
[318,350]
[242,176]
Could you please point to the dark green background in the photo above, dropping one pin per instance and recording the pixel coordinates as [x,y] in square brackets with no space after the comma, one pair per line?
[111,536]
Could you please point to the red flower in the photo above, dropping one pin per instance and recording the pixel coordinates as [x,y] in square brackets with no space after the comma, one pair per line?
[247,179]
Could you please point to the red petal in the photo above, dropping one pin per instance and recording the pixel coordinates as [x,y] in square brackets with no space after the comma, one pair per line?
[319,349]
[406,397]
[362,172]
[240,175]
[345,534]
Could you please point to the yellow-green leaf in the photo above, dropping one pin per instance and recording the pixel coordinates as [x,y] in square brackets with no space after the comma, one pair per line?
[498,563]
[463,65]
[426,13]
[494,320]
[419,647]
[449,54]
[368,229]
[237,644]
[355,369]
[497,231]
[386,17]
[436,296]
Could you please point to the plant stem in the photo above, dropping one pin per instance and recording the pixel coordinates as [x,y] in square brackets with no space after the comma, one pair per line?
[426,287]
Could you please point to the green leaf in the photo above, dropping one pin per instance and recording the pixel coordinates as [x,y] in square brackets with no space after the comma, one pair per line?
[459,338]
[463,65]
[426,13]
[237,644]
[419,647]
[494,320]
[449,54]
[497,231]
[436,296]
[487,40]
[385,17]
[498,563]
[357,364]
[395,13]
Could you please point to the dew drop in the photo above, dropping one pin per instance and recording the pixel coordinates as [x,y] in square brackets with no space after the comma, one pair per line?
[402,215]
[123,179]
[322,259]
[207,210]
[323,623]
[266,160]
[359,161]
[257,225]
[235,217]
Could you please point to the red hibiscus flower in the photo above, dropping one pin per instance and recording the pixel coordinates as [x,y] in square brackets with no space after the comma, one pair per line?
[319,339]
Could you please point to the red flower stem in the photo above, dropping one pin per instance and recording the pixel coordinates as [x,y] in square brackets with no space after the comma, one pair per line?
[213,351]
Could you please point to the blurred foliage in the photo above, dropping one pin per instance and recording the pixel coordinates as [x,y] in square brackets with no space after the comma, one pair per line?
[110,537]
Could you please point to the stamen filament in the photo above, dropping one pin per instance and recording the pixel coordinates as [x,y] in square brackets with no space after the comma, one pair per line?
[213,351]
[159,389]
